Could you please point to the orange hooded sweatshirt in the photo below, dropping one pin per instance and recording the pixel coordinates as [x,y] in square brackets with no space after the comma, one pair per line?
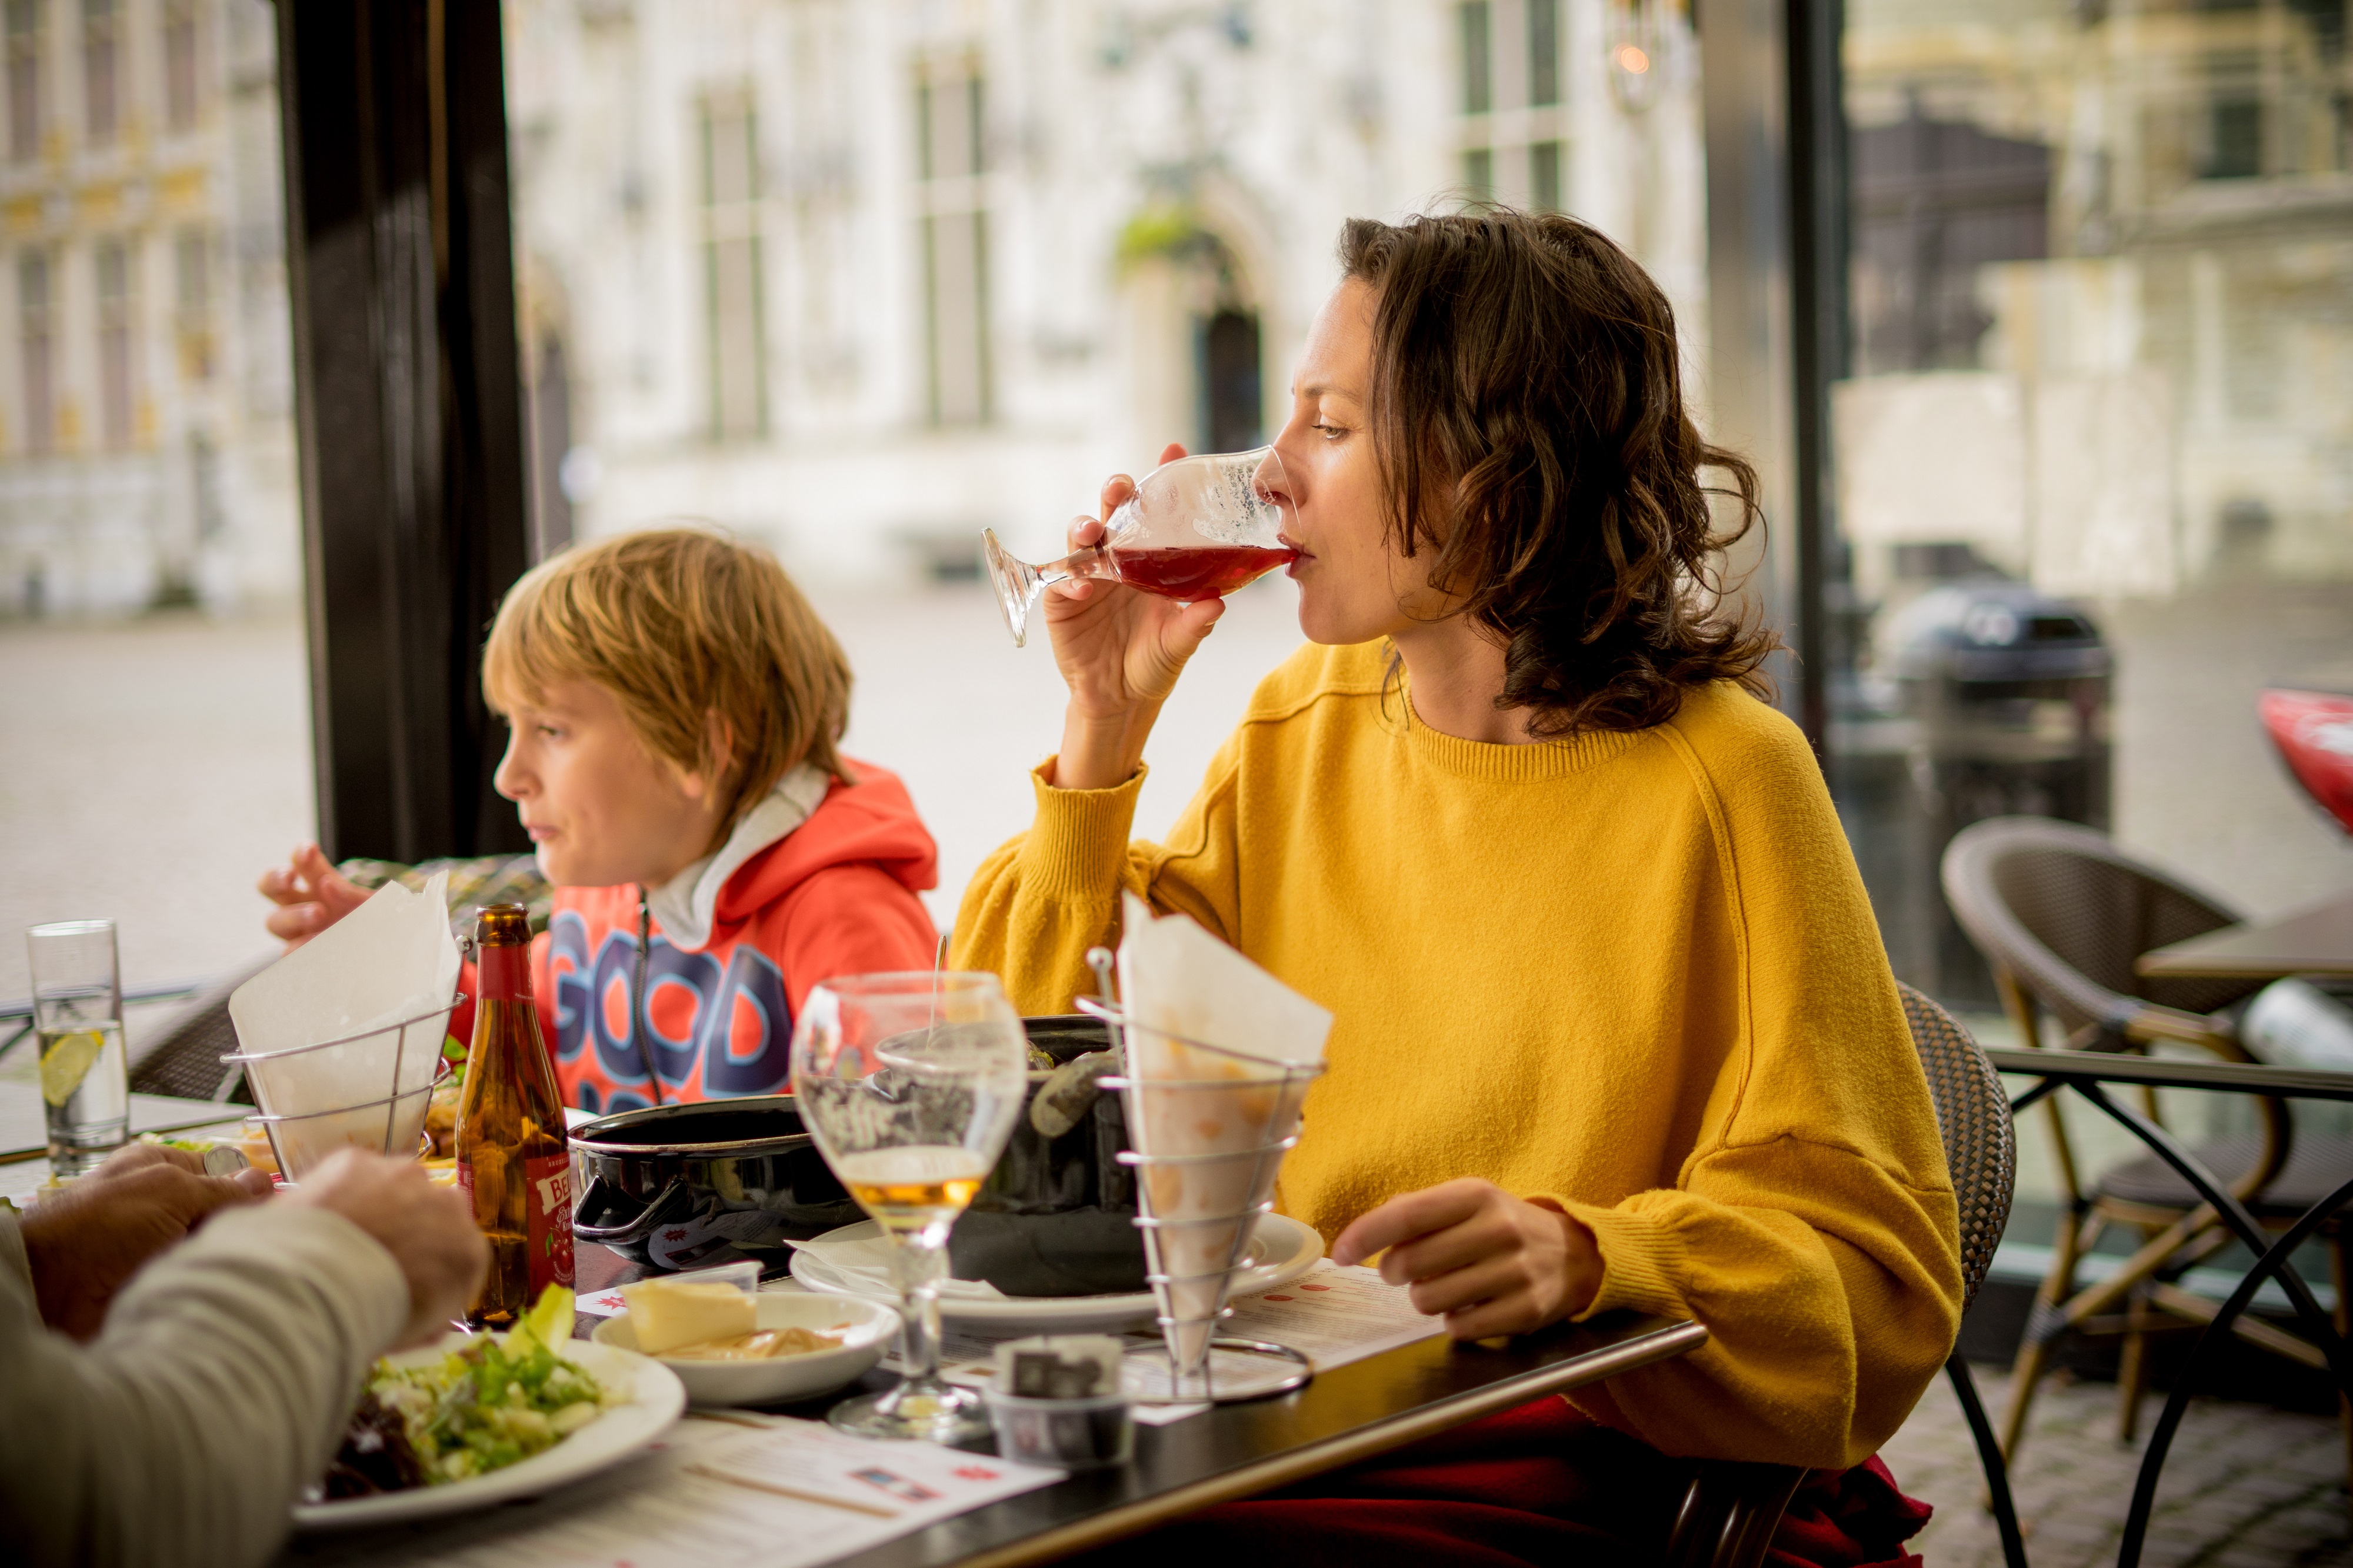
[623,1003]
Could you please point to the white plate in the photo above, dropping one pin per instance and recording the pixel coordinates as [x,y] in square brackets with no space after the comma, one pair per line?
[1282,1250]
[655,1398]
[867,1329]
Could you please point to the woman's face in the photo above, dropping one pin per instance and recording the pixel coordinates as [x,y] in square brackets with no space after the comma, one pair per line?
[1353,586]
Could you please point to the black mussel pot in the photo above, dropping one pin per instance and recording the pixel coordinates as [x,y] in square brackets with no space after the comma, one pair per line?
[1057,1216]
[672,1185]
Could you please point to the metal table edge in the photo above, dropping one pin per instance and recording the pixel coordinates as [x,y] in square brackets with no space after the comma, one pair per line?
[1364,1442]
[2166,1072]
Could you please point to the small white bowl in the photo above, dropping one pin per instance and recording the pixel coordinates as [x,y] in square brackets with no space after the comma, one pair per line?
[866,1328]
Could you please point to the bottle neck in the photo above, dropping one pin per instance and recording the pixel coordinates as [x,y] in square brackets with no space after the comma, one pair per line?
[505,973]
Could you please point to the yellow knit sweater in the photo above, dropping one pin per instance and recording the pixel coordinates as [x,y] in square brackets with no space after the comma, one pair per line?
[1635,974]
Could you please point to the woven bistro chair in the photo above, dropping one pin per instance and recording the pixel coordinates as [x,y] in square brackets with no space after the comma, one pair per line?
[184,1060]
[2061,914]
[1732,1509]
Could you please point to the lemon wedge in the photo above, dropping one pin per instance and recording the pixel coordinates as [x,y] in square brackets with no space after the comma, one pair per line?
[66,1062]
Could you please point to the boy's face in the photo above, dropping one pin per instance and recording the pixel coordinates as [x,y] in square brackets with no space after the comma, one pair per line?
[601,809]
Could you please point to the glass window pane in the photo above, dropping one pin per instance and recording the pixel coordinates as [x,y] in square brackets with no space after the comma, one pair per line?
[1479,174]
[101,47]
[158,696]
[1478,59]
[24,44]
[1543,52]
[1544,176]
[2091,439]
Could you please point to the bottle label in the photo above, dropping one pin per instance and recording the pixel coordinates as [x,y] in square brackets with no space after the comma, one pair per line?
[547,1200]
[548,1217]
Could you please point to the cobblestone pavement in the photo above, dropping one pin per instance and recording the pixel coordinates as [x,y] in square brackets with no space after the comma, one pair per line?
[2246,1485]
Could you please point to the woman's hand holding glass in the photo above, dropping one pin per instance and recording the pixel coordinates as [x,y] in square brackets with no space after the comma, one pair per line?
[1120,651]
[1486,1261]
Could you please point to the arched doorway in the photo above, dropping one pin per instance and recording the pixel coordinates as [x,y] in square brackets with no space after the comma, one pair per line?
[1233,399]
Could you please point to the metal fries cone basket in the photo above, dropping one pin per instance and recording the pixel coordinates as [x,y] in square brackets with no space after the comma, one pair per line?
[1198,1208]
[289,1082]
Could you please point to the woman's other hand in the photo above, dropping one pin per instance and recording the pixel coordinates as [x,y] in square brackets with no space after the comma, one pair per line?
[311,896]
[86,1241]
[1120,651]
[1486,1261]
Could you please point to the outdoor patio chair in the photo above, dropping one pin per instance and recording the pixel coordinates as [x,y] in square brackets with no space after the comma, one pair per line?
[185,1060]
[1732,1509]
[2061,914]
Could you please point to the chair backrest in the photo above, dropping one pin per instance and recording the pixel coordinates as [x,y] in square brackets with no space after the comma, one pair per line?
[1973,1114]
[2065,912]
[184,1060]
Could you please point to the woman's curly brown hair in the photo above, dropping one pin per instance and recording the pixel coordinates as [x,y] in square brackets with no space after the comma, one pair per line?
[1526,405]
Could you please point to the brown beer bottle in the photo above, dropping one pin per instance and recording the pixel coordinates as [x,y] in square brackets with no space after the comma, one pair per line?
[513,1163]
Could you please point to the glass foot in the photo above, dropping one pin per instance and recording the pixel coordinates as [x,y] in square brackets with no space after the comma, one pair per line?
[1017,582]
[930,1411]
[1233,1369]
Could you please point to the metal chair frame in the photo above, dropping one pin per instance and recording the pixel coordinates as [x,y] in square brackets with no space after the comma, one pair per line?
[1987,869]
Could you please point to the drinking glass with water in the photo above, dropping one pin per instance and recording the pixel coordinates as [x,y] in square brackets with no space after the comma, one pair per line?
[78,1015]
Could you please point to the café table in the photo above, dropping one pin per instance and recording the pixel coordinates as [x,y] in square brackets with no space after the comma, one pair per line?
[24,1127]
[1344,1415]
[2314,941]
[2089,1075]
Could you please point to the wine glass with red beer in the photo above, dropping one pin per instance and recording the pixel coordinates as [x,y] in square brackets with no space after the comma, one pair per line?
[1198,528]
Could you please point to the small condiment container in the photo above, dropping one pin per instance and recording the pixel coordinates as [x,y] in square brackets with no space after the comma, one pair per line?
[1058,1401]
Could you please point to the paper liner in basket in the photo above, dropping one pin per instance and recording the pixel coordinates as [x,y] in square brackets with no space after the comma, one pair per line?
[1179,984]
[391,959]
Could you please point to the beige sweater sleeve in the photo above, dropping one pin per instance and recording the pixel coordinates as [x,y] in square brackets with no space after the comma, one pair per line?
[217,1392]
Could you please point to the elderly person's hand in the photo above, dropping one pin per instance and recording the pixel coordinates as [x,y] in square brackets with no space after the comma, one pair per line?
[86,1241]
[311,896]
[1489,1262]
[428,1230]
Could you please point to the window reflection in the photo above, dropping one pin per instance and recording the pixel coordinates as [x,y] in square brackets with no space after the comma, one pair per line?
[2098,341]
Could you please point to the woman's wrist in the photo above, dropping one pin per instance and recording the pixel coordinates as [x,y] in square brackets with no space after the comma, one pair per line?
[1102,751]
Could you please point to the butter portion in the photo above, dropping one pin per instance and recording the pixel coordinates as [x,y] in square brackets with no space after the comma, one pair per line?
[667,1313]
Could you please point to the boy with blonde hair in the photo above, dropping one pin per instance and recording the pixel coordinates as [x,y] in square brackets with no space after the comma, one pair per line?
[674,706]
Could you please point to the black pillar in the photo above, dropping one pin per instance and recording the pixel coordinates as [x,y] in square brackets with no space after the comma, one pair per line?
[408,408]
[1818,338]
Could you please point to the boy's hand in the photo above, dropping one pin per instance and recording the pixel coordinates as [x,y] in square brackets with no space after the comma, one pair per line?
[311,896]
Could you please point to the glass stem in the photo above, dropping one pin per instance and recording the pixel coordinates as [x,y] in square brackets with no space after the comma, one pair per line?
[1094,561]
[919,1272]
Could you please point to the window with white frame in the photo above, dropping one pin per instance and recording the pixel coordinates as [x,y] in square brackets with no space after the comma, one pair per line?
[36,349]
[950,196]
[101,64]
[730,245]
[180,63]
[24,46]
[192,275]
[111,260]
[1514,124]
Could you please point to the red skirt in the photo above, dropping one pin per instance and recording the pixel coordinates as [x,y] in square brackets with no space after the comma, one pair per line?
[1540,1484]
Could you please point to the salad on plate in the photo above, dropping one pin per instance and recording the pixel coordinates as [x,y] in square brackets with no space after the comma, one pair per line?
[482,1405]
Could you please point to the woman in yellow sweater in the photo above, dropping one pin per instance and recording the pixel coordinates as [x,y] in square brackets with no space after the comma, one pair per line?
[1613,1026]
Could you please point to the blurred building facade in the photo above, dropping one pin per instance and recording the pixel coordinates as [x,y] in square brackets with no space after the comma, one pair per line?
[857,277]
[863,279]
[146,450]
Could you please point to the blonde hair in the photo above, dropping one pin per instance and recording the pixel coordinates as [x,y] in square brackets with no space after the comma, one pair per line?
[680,623]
